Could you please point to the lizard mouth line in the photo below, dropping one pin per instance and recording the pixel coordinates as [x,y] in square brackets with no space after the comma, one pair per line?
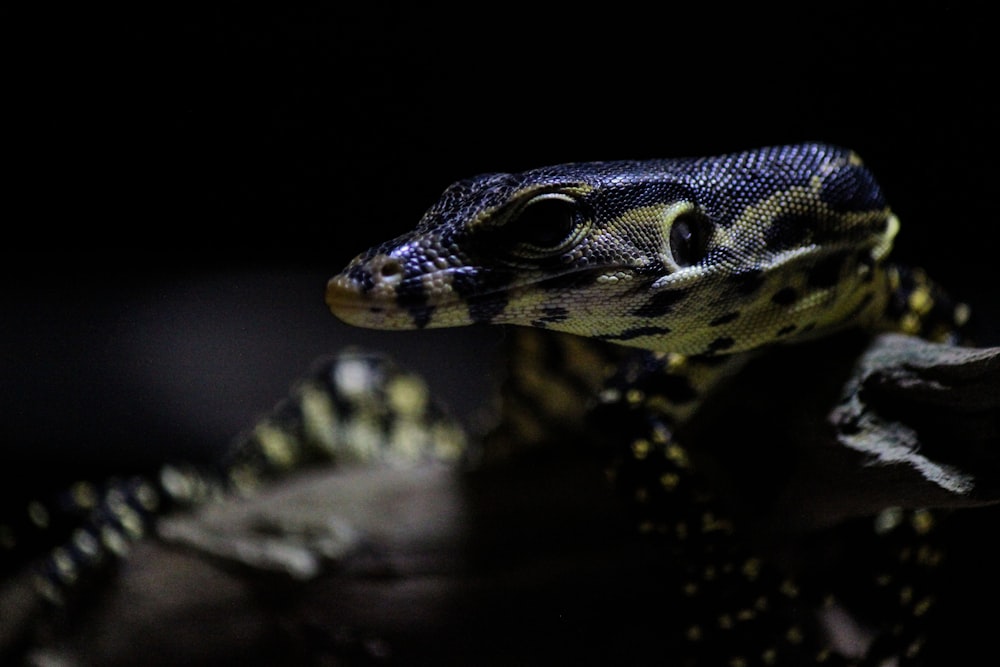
[344,295]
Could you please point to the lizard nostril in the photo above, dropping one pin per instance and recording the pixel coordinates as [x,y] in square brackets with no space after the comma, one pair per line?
[391,269]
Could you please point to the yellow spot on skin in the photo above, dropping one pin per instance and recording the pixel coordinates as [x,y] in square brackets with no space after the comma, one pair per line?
[923,606]
[640,448]
[746,615]
[690,589]
[114,541]
[738,662]
[641,495]
[276,445]
[634,396]
[449,441]
[64,565]
[823,655]
[84,495]
[920,300]
[905,595]
[725,621]
[922,521]
[710,573]
[408,396]
[147,497]
[751,568]
[131,522]
[677,454]
[609,396]
[676,362]
[38,514]
[961,314]
[888,520]
[789,589]
[670,480]
[693,633]
[760,604]
[910,324]
[85,543]
[794,635]
[710,524]
[319,419]
[769,656]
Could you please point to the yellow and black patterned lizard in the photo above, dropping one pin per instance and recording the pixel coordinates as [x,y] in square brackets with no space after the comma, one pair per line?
[698,263]
[657,280]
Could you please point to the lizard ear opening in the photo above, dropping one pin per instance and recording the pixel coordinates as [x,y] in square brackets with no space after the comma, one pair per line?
[690,233]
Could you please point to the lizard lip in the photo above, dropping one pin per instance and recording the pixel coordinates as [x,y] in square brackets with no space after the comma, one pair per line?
[370,307]
[345,300]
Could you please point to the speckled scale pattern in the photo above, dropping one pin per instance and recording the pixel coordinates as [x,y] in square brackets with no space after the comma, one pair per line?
[813,210]
[356,408]
[794,246]
[796,242]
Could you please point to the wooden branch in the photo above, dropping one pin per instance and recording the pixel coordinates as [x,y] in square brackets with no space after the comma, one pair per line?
[527,561]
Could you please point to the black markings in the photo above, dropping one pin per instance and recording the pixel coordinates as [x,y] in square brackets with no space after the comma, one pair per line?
[554,314]
[785,296]
[787,231]
[483,291]
[411,295]
[662,303]
[724,319]
[421,315]
[808,327]
[747,281]
[483,310]
[720,344]
[826,271]
[361,276]
[636,332]
[785,330]
[550,314]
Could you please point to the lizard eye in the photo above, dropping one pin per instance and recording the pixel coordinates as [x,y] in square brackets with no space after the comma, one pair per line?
[544,223]
[689,236]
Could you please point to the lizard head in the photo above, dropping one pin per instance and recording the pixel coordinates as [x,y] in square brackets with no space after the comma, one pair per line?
[694,255]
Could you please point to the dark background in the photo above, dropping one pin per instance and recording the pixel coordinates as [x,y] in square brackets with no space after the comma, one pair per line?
[179,186]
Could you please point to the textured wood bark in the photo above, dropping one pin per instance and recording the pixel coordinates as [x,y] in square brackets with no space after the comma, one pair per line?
[527,561]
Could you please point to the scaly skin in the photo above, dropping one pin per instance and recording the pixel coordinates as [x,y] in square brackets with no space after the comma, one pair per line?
[693,256]
[686,260]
